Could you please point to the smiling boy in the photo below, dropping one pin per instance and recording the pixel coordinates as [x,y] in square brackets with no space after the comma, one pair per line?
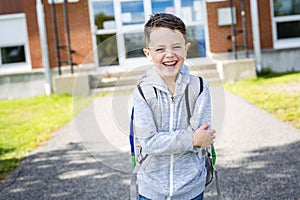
[174,168]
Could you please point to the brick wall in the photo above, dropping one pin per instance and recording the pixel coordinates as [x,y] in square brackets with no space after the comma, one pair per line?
[79,26]
[218,34]
[80,35]
[11,6]
[33,33]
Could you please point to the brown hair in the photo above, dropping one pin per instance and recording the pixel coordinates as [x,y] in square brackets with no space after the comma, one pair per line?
[164,20]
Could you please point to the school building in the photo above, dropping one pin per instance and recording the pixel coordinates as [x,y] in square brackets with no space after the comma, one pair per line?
[110,32]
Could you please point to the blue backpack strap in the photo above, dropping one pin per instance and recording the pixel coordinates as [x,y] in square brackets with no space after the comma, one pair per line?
[147,92]
[131,136]
[133,182]
[131,139]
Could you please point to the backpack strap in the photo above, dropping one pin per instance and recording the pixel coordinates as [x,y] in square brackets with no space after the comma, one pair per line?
[188,97]
[131,139]
[147,91]
[190,91]
[141,91]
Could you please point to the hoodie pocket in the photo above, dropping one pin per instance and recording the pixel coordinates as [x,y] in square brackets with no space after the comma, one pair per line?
[187,171]
[156,163]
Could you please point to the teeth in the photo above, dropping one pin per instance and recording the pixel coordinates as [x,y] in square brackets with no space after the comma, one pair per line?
[170,63]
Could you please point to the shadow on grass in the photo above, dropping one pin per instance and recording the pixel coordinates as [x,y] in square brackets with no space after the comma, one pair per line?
[268,73]
[5,150]
[7,164]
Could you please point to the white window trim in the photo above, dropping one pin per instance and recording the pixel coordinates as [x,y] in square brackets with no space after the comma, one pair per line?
[120,30]
[22,66]
[210,1]
[283,43]
[12,16]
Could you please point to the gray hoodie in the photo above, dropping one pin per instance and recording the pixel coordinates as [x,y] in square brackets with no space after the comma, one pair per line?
[174,168]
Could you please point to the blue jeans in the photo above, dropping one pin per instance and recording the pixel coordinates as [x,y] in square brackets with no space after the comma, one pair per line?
[199,197]
[143,198]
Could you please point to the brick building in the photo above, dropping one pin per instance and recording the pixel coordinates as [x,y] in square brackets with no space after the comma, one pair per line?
[116,28]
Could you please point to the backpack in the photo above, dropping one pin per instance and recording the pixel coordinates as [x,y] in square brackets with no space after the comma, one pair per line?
[210,155]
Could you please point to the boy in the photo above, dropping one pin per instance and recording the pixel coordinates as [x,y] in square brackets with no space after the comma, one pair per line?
[174,168]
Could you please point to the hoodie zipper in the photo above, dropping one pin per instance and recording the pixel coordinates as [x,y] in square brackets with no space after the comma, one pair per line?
[172,156]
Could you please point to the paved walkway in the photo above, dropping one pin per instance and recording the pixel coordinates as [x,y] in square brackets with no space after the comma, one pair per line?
[258,155]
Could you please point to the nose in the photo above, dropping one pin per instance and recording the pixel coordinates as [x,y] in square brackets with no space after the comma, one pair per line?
[169,53]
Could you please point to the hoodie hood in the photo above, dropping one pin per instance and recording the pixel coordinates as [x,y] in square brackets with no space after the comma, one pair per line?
[153,78]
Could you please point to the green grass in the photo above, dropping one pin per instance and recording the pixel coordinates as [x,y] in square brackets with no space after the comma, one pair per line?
[27,123]
[277,94]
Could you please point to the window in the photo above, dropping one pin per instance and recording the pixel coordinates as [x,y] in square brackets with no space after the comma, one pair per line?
[132,12]
[286,23]
[13,54]
[14,49]
[163,6]
[107,49]
[191,10]
[288,29]
[286,7]
[104,14]
[197,39]
[134,44]
[208,1]
[120,25]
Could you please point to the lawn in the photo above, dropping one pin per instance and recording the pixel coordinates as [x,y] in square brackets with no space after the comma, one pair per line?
[27,123]
[277,94]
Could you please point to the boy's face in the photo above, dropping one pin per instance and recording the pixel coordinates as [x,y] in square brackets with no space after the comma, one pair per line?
[167,50]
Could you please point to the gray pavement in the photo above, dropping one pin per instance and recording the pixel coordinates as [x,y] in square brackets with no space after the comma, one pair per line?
[258,155]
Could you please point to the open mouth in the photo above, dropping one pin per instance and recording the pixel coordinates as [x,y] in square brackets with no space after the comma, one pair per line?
[170,63]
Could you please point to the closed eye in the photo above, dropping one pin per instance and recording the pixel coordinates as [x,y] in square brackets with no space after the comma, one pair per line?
[177,48]
[159,49]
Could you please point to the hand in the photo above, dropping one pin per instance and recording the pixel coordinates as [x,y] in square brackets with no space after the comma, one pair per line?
[203,138]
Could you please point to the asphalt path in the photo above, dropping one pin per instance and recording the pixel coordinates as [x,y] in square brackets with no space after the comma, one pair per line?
[88,158]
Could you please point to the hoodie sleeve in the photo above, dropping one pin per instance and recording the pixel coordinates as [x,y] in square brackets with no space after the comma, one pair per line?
[152,141]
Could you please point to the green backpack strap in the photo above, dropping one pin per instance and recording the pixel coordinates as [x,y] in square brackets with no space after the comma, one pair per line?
[213,155]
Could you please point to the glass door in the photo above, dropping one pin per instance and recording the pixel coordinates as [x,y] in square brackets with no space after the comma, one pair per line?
[120,25]
[133,19]
[104,19]
[192,13]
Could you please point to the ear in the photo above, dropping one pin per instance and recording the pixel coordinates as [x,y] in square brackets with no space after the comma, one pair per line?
[187,46]
[147,54]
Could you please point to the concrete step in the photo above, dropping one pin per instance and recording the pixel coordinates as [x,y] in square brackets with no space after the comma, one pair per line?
[127,88]
[207,74]
[115,89]
[119,72]
[125,78]
[102,82]
[115,81]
